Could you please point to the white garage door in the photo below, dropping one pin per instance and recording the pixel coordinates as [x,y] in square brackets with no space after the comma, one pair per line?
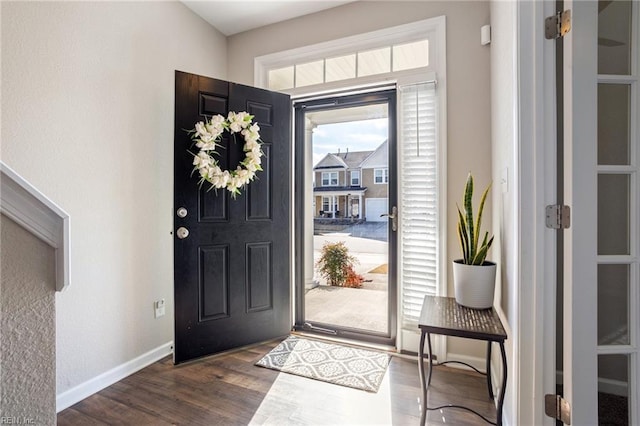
[374,208]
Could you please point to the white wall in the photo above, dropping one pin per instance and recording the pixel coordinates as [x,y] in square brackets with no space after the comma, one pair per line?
[504,150]
[504,164]
[87,118]
[27,327]
[468,84]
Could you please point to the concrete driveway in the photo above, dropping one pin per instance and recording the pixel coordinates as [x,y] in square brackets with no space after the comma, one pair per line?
[370,230]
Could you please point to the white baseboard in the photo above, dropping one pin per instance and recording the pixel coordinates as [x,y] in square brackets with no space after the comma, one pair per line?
[88,388]
[410,342]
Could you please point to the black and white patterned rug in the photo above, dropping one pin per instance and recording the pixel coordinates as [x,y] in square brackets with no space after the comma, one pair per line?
[333,363]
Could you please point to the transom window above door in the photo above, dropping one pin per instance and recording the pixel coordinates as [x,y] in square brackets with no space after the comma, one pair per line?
[329,178]
[399,57]
[408,53]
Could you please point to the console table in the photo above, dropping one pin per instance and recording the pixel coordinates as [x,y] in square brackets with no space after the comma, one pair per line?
[442,315]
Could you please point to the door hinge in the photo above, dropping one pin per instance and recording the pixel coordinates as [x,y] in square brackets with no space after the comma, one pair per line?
[558,25]
[557,408]
[558,217]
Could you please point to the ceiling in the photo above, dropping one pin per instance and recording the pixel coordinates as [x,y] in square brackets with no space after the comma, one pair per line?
[235,16]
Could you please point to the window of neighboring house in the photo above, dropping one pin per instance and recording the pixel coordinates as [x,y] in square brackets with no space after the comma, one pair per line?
[381,175]
[326,204]
[329,178]
[355,178]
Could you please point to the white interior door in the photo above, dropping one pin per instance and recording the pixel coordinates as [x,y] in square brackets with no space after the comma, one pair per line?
[601,186]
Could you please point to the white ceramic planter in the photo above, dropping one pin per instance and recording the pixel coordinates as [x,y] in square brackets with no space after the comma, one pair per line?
[474,284]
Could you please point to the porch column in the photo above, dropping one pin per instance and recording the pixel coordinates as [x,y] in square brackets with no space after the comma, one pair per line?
[333,206]
[309,278]
[359,206]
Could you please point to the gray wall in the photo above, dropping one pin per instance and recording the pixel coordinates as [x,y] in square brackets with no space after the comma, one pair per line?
[27,327]
[87,118]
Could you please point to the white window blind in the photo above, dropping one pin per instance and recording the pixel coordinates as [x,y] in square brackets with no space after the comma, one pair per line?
[419,194]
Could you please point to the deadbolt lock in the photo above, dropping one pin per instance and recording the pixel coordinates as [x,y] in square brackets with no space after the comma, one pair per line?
[182,232]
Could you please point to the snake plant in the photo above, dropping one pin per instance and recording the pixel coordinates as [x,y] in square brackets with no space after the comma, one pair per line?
[473,252]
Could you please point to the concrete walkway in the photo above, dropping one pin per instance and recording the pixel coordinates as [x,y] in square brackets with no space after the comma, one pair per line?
[362,308]
[347,307]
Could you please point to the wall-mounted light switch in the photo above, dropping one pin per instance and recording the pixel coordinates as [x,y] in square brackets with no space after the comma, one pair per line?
[504,180]
[159,307]
[485,35]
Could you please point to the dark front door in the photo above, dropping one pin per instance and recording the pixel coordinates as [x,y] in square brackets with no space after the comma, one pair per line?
[231,273]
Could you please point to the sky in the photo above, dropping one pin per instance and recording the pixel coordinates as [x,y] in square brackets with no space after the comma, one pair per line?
[365,135]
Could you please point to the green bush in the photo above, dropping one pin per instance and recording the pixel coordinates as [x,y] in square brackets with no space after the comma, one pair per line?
[336,265]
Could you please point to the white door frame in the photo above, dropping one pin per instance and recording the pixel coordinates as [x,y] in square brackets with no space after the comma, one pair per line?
[435,30]
[535,185]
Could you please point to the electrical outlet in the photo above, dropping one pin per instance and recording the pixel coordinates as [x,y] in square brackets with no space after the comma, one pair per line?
[159,307]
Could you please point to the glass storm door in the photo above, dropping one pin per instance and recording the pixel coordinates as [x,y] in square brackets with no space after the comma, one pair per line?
[346,216]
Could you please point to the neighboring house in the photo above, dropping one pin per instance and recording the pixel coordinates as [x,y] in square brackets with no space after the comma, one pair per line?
[352,184]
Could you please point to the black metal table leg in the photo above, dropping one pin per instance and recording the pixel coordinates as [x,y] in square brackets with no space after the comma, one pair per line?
[423,383]
[489,370]
[430,359]
[504,384]
[444,316]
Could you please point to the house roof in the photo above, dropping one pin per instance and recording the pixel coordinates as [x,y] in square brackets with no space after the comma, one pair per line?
[378,158]
[331,161]
[345,160]
[354,159]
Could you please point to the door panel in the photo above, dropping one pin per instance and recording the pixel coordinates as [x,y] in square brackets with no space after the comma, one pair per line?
[230,289]
[214,282]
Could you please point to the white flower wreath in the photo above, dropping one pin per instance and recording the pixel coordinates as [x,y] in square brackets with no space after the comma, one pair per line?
[206,136]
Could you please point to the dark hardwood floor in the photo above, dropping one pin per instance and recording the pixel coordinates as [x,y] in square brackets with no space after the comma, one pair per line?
[229,390]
